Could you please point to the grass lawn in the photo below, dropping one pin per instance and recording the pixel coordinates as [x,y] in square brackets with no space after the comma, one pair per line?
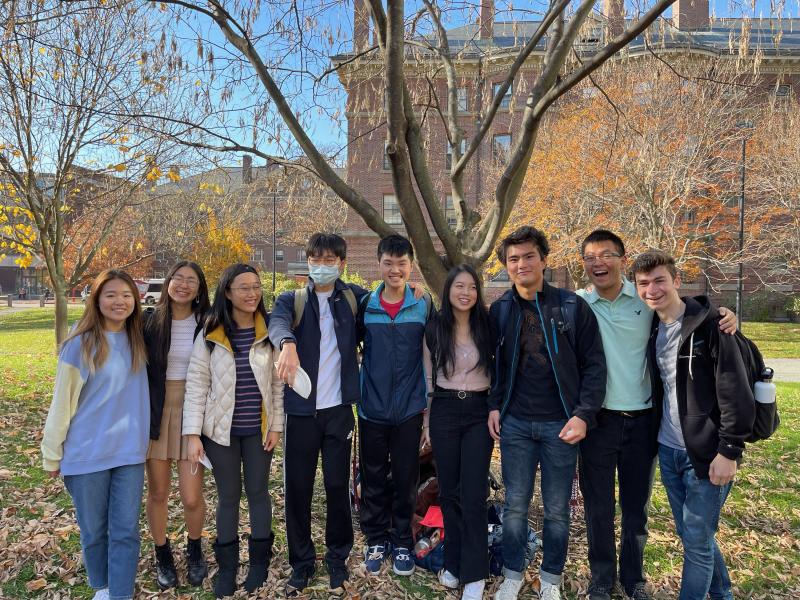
[39,541]
[775,340]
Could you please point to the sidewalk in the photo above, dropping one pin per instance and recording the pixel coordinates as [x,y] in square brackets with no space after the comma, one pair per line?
[786,369]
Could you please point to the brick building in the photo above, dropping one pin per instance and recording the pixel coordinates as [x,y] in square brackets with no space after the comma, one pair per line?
[482,53]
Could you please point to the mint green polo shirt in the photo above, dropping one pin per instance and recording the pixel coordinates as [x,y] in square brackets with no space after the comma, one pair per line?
[625,328]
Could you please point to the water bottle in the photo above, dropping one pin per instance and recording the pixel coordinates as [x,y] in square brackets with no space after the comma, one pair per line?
[764,390]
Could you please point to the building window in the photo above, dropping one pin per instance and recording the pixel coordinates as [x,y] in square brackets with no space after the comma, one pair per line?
[689,216]
[501,148]
[449,149]
[783,91]
[301,256]
[506,101]
[387,164]
[463,102]
[279,256]
[257,255]
[391,210]
[449,211]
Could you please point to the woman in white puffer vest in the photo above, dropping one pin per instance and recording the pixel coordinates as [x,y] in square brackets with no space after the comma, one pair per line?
[233,413]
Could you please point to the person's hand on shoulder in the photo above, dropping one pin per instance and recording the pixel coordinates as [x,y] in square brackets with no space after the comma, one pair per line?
[727,323]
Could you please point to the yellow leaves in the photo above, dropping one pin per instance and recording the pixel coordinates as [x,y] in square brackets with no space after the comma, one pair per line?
[173,175]
[213,187]
[42,51]
[139,246]
[16,153]
[154,174]
[198,83]
[121,167]
[124,149]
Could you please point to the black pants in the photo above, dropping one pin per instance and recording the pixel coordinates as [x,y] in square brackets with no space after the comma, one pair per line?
[387,507]
[462,448]
[329,432]
[620,445]
[247,452]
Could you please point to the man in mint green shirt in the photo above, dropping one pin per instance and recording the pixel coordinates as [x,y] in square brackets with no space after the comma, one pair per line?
[624,443]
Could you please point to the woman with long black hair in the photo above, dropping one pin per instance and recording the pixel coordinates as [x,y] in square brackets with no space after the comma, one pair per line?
[169,333]
[234,400]
[458,357]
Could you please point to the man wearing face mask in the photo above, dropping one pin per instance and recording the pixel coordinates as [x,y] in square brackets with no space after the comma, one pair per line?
[321,340]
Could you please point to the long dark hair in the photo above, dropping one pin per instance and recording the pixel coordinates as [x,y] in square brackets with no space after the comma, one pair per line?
[442,332]
[222,310]
[159,326]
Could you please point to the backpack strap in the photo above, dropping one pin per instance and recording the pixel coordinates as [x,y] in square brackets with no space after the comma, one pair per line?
[569,313]
[351,300]
[300,298]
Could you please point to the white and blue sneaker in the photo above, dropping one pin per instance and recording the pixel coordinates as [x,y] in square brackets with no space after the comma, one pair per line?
[402,563]
[374,557]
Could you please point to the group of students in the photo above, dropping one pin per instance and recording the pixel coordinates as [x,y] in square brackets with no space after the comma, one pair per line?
[554,376]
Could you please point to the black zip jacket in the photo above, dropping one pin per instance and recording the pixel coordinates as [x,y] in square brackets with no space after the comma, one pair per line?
[715,402]
[580,372]
[307,337]
[157,370]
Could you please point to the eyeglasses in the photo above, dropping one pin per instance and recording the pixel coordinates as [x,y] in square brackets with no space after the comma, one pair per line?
[244,289]
[181,280]
[590,259]
[328,261]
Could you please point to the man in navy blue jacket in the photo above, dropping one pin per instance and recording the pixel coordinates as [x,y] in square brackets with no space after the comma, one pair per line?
[324,344]
[393,399]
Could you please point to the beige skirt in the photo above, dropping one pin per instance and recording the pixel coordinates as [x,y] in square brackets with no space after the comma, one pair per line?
[171,445]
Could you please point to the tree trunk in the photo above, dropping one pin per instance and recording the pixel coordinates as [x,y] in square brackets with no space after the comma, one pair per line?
[62,323]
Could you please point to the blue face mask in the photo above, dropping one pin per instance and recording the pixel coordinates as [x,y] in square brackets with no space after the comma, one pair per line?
[323,274]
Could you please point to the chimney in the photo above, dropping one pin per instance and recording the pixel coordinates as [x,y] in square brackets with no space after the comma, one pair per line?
[688,15]
[486,20]
[247,169]
[360,25]
[614,11]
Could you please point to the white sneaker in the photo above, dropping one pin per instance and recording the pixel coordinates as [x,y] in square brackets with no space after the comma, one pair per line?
[447,579]
[101,594]
[474,590]
[508,589]
[549,591]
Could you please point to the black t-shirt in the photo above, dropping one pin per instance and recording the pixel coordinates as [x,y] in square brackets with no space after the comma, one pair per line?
[535,396]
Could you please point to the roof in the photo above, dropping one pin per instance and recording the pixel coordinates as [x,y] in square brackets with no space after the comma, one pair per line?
[770,37]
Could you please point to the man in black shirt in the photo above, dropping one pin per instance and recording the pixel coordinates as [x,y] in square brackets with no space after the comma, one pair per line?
[549,384]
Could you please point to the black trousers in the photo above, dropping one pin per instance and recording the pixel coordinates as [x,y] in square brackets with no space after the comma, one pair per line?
[619,446]
[244,453]
[462,448]
[329,432]
[387,507]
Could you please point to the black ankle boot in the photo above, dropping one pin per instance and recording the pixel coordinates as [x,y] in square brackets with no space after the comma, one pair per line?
[196,568]
[166,576]
[260,555]
[228,562]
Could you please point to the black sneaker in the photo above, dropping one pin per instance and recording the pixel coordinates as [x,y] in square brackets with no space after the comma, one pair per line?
[298,581]
[166,575]
[598,592]
[639,592]
[338,577]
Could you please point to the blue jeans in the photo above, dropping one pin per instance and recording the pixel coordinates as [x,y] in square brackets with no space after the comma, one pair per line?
[524,445]
[107,504]
[696,505]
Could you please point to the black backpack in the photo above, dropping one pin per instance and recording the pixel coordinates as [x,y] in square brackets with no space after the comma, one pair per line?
[767,419]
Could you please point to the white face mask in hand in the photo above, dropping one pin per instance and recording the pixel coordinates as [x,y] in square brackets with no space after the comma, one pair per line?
[203,461]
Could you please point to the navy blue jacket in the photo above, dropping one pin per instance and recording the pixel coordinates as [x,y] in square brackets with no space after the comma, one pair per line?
[307,337]
[393,385]
[580,372]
